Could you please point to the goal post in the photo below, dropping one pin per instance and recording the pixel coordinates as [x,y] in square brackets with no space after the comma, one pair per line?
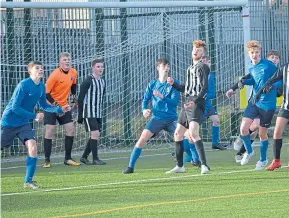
[130,36]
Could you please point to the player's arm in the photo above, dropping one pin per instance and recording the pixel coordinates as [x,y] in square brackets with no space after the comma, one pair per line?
[211,94]
[147,96]
[18,98]
[50,83]
[245,80]
[82,93]
[73,91]
[174,98]
[204,74]
[47,107]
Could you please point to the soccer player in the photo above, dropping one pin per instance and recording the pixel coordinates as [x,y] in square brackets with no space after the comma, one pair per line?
[283,115]
[18,113]
[273,56]
[90,102]
[163,115]
[210,112]
[58,86]
[195,90]
[260,71]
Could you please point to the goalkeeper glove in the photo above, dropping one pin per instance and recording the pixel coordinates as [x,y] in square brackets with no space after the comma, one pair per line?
[240,84]
[279,92]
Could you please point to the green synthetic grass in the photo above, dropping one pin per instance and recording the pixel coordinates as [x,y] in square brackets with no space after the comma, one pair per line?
[230,190]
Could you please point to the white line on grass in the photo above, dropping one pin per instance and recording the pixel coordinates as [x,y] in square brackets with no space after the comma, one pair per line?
[126,182]
[113,158]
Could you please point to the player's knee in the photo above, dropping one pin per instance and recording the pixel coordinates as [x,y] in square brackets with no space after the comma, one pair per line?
[69,130]
[50,132]
[32,148]
[94,135]
[244,131]
[177,136]
[263,135]
[195,136]
[277,134]
[216,121]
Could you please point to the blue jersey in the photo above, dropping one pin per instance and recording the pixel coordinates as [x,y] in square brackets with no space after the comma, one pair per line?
[162,109]
[20,108]
[259,74]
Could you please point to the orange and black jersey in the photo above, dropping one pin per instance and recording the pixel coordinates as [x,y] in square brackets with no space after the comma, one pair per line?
[59,84]
[91,97]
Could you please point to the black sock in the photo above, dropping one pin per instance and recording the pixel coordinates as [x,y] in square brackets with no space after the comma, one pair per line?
[201,151]
[87,150]
[242,150]
[180,153]
[68,147]
[277,145]
[47,148]
[93,147]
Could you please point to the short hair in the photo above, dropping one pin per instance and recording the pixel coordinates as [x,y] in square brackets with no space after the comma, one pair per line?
[273,52]
[64,54]
[33,63]
[253,44]
[96,61]
[201,43]
[162,61]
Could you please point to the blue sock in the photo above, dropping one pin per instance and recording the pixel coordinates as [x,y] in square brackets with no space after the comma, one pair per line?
[263,150]
[247,143]
[195,155]
[187,149]
[134,156]
[215,134]
[30,168]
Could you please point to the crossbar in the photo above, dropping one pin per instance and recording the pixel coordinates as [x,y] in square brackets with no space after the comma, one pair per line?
[148,4]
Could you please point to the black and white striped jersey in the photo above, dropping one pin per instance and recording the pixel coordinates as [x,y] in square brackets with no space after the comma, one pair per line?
[196,85]
[282,74]
[91,96]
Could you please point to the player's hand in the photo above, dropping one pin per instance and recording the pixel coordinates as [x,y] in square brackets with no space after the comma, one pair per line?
[170,81]
[279,92]
[158,94]
[189,104]
[39,117]
[66,108]
[267,89]
[147,113]
[240,84]
[229,93]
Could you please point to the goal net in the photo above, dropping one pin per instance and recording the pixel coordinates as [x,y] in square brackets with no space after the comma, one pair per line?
[130,40]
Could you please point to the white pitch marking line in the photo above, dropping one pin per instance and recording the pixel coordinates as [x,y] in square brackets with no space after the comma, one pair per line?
[126,182]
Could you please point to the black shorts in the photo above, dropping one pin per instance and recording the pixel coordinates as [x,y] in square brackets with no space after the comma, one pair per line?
[92,124]
[283,113]
[253,112]
[8,134]
[192,114]
[50,118]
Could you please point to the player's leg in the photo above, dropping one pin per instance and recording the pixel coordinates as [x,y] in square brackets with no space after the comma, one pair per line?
[67,122]
[152,127]
[250,113]
[195,157]
[49,135]
[281,123]
[179,140]
[216,130]
[27,137]
[238,144]
[265,122]
[92,125]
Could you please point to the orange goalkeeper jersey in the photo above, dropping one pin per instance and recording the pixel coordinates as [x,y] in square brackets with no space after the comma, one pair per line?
[59,85]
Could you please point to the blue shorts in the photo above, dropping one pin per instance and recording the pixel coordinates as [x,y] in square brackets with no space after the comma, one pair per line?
[253,112]
[155,126]
[210,110]
[8,134]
